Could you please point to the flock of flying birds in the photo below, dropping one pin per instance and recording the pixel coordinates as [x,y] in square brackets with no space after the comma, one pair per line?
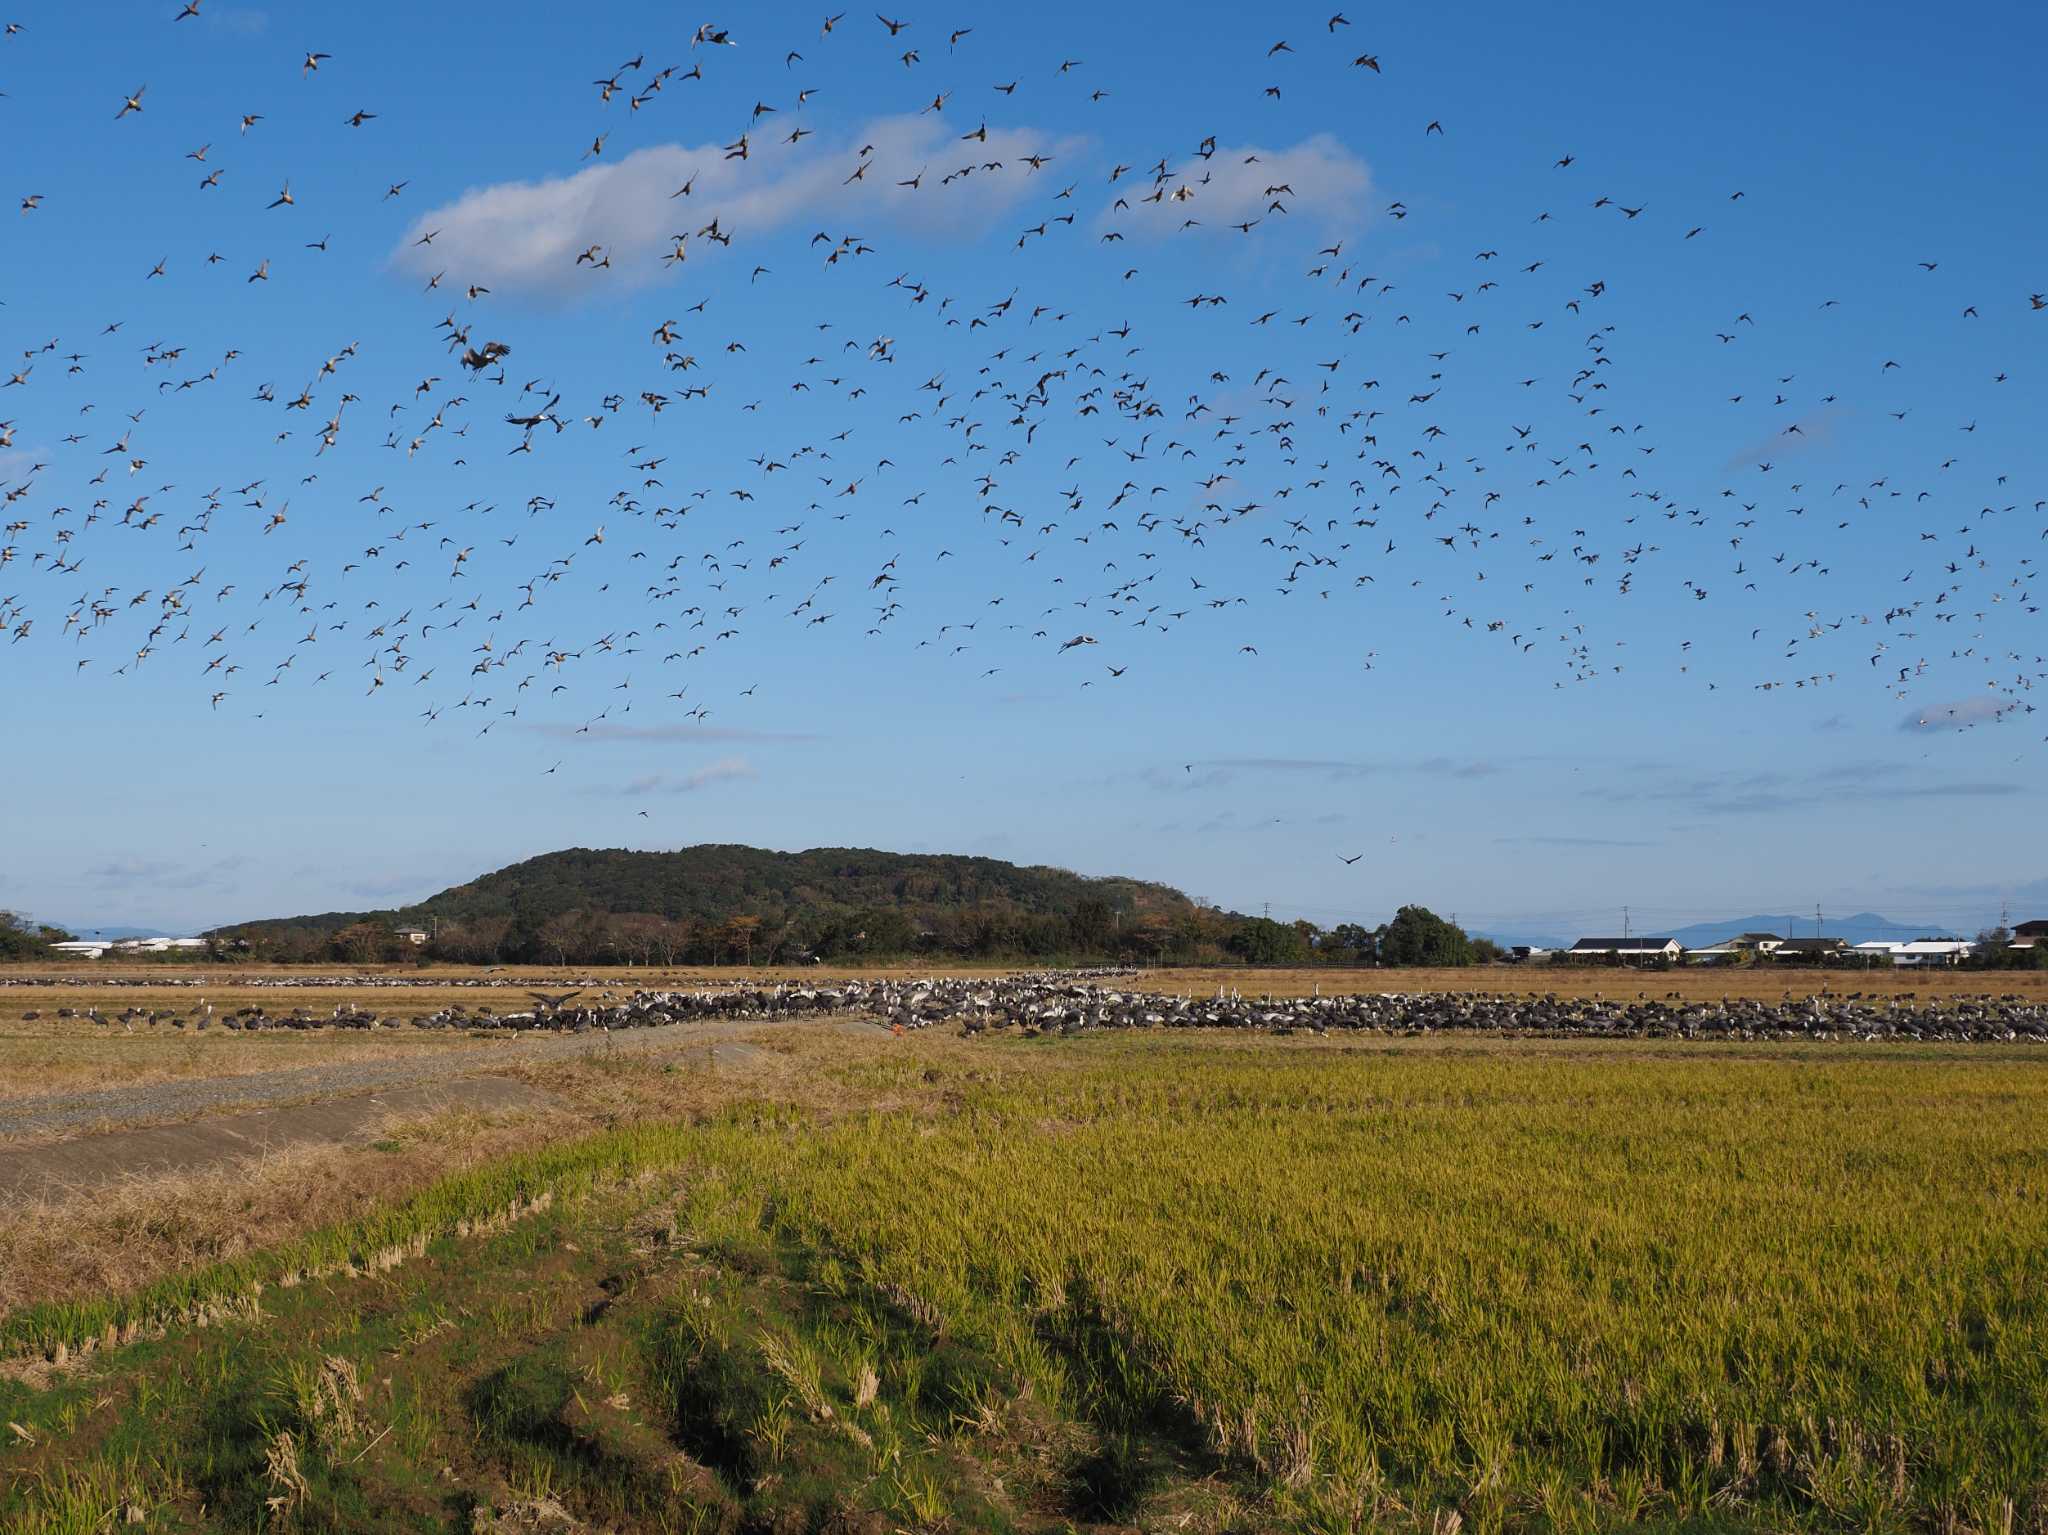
[1184,464]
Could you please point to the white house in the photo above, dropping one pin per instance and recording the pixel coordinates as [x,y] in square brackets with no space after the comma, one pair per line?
[82,948]
[1735,948]
[1629,948]
[413,935]
[1932,951]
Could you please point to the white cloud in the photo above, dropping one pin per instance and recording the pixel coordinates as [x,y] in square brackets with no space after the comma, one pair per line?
[724,770]
[1318,181]
[526,235]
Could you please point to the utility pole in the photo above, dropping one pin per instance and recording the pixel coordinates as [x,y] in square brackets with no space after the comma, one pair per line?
[1816,919]
[1624,922]
[1266,908]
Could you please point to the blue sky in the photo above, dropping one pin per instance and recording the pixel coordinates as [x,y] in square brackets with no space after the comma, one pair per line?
[1617,738]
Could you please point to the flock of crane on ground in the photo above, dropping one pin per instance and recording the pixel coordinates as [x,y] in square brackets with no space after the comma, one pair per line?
[1067,1003]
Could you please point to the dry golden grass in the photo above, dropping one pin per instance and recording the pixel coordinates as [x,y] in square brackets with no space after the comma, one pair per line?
[54,1056]
[119,1237]
[49,1054]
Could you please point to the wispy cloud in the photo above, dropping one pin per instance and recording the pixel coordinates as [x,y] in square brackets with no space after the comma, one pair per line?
[1534,841]
[1214,772]
[2028,898]
[1448,768]
[1808,434]
[1766,793]
[1959,715]
[725,770]
[1322,767]
[1317,181]
[525,235]
[562,731]
[240,20]
[386,886]
[131,874]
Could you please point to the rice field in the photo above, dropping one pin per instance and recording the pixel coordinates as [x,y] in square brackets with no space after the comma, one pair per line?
[1142,1282]
[47,1053]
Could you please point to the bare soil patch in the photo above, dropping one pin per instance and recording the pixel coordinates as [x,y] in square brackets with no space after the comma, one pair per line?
[83,1162]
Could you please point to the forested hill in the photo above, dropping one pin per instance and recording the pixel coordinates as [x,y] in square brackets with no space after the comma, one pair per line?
[721,880]
[821,900]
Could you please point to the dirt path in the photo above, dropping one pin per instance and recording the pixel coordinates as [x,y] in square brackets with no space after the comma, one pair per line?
[74,1115]
[59,1167]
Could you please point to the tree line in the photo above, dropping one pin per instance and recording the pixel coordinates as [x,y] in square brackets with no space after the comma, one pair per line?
[21,937]
[1094,932]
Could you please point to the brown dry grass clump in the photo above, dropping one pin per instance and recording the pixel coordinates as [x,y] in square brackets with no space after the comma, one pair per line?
[73,1055]
[118,1237]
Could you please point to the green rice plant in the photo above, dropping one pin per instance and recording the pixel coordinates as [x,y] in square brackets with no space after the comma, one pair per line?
[771,1429]
[323,1399]
[795,1363]
[918,1496]
[80,1498]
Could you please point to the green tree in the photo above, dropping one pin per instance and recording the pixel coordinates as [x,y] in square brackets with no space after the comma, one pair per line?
[1262,941]
[365,942]
[1092,925]
[23,939]
[1349,943]
[1418,936]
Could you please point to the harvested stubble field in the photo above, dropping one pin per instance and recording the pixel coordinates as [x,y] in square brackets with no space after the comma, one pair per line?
[1700,983]
[50,1054]
[1134,1281]
[47,1053]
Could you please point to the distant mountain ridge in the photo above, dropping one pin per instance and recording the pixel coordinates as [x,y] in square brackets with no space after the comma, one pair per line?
[1863,927]
[716,882]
